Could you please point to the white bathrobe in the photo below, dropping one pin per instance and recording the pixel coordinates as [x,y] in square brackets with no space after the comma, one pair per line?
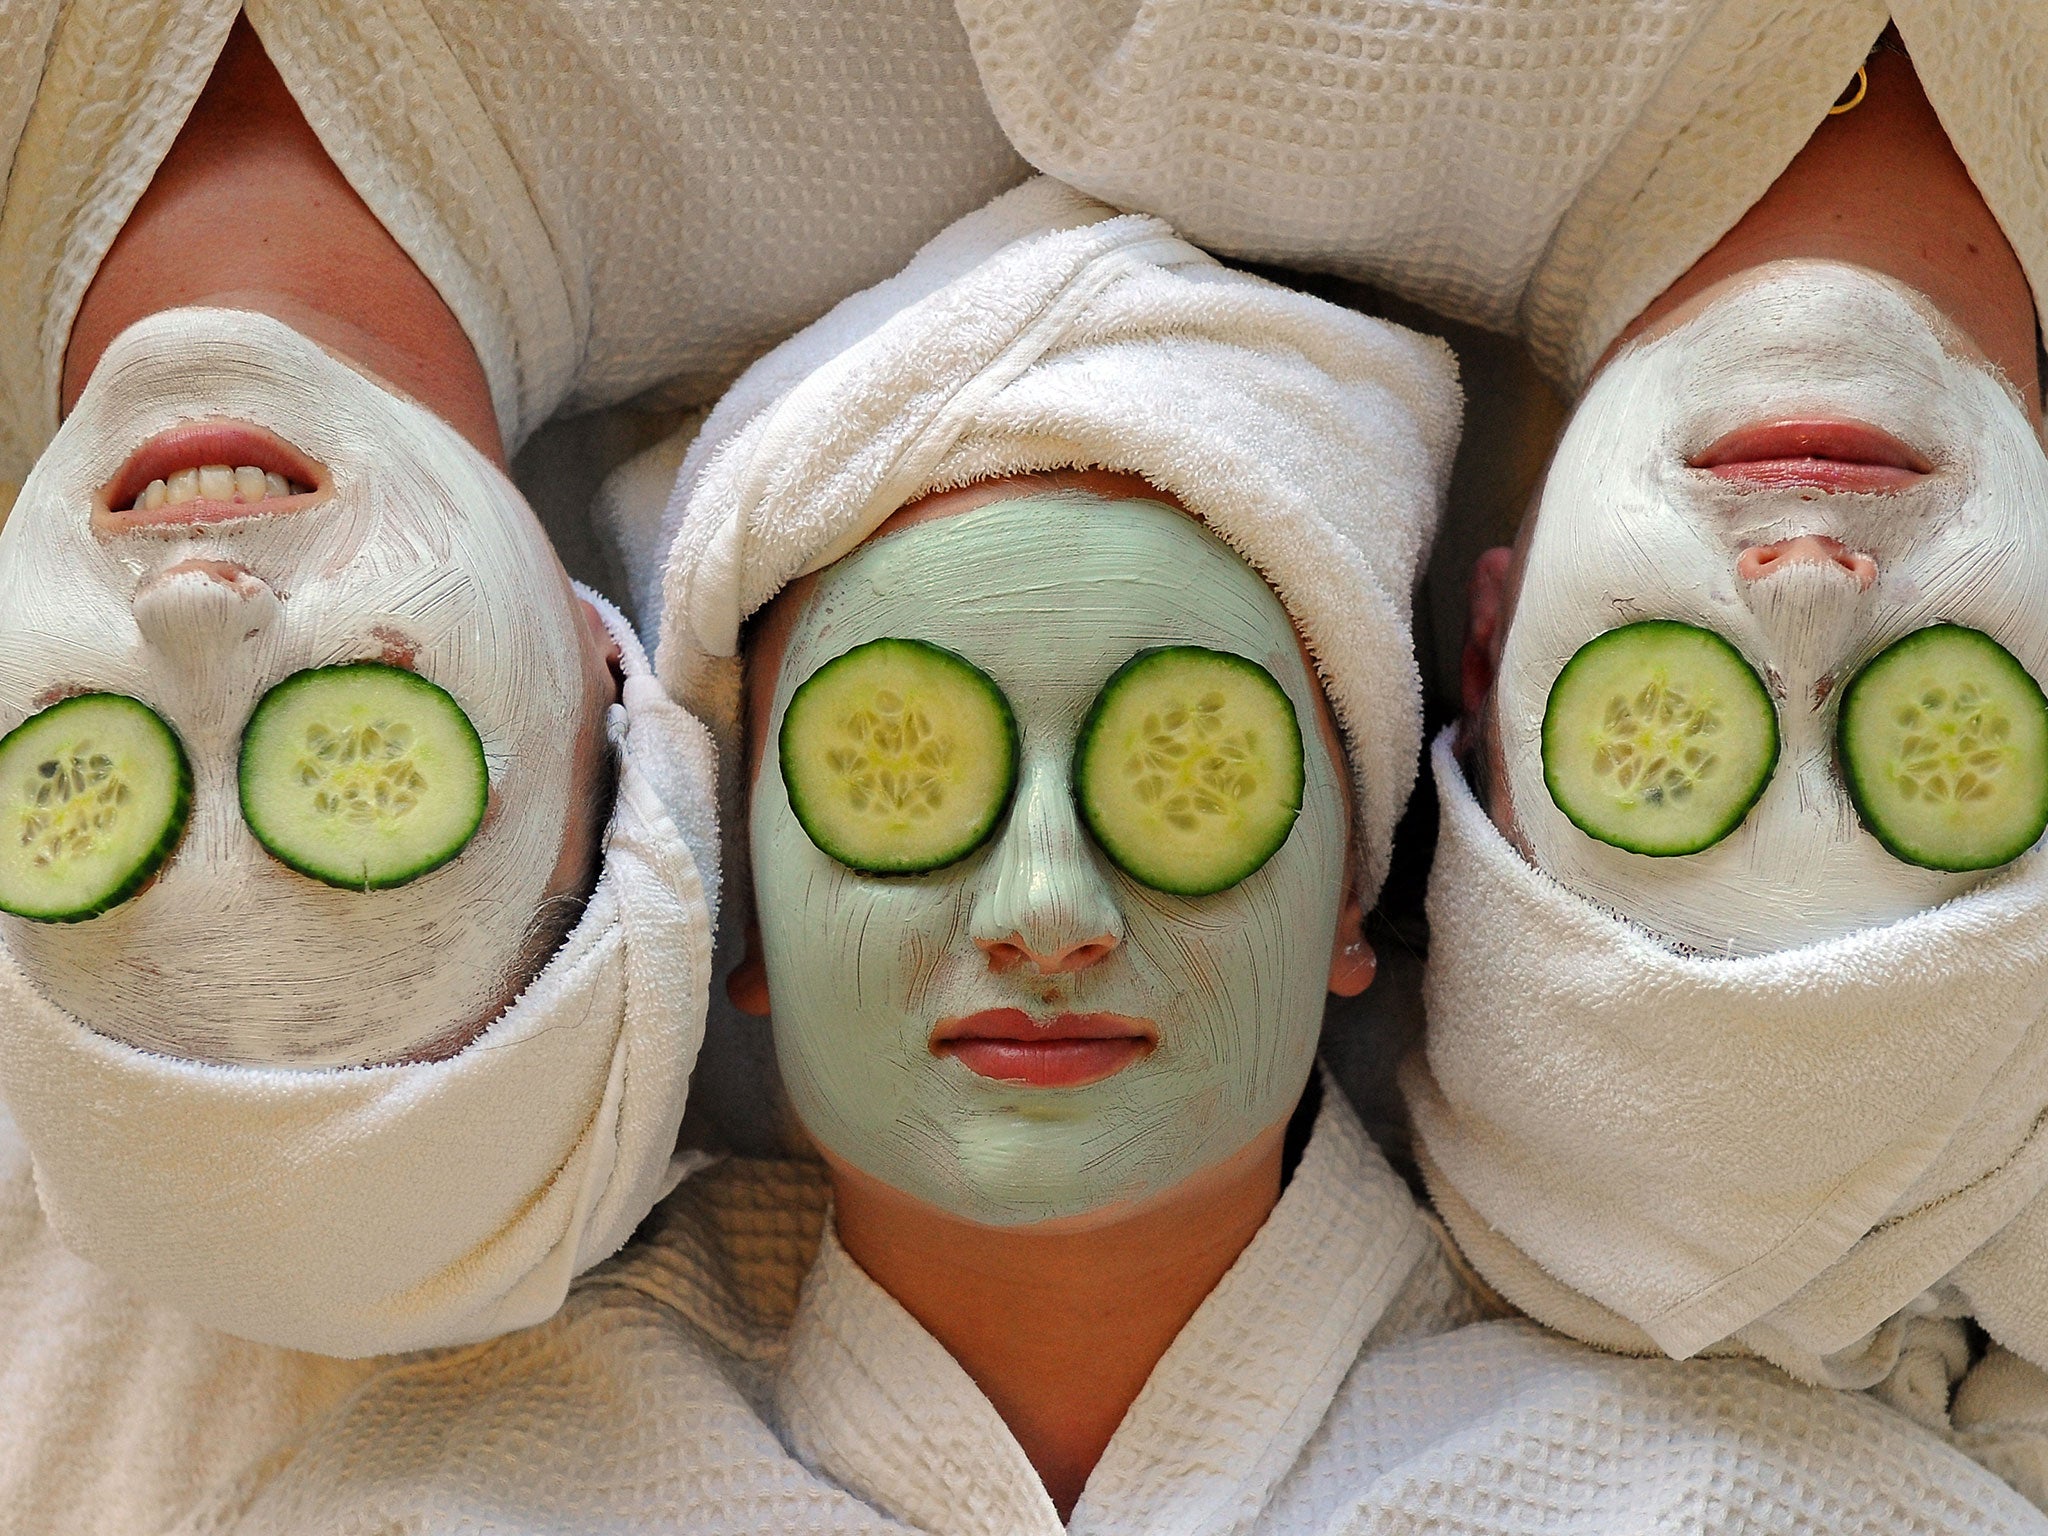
[1539,166]
[611,198]
[734,1371]
[669,1391]
[117,1414]
[615,199]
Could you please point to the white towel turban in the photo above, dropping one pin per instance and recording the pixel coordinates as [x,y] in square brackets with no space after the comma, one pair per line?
[365,1210]
[1047,332]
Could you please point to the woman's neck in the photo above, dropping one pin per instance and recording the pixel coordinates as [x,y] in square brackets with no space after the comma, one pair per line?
[1882,187]
[1059,1327]
[246,160]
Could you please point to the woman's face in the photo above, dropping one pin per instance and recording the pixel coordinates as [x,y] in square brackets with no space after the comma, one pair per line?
[407,548]
[1811,466]
[1030,1033]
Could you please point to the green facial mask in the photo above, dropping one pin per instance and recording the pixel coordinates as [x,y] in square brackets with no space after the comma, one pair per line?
[1048,596]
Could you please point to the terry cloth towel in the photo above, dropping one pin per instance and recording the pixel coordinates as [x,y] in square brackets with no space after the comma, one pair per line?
[1541,166]
[1046,332]
[1798,1153]
[366,1210]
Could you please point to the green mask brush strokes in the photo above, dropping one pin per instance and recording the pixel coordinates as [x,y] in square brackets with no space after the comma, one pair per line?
[1048,596]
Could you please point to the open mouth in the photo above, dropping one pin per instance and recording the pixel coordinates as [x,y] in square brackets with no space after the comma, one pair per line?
[1070,1050]
[207,472]
[1821,455]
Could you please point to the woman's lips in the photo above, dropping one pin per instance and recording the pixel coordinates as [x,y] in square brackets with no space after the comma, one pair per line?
[1069,1050]
[193,446]
[1819,455]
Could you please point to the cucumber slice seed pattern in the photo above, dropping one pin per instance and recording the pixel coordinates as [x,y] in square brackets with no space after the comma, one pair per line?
[1189,770]
[1944,746]
[95,792]
[361,772]
[1658,738]
[363,776]
[898,757]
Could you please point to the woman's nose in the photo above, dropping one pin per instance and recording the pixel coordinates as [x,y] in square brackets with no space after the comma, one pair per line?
[1043,902]
[1759,560]
[198,608]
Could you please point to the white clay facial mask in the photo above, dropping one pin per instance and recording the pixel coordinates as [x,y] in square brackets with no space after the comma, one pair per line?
[408,550]
[1627,531]
[1199,1015]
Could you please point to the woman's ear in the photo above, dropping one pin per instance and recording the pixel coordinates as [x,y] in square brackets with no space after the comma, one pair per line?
[604,662]
[1486,601]
[746,987]
[1352,962]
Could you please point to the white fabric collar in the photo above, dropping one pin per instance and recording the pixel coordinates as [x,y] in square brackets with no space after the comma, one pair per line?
[874,1402]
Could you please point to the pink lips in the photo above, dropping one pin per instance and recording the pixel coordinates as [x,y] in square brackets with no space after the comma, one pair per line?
[1822,455]
[187,447]
[1069,1050]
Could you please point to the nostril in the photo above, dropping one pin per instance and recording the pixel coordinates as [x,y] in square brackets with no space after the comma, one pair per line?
[1752,563]
[1008,954]
[1001,957]
[1080,956]
[1813,548]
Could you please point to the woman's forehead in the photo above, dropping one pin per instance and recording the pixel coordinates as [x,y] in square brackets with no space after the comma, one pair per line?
[984,567]
[1041,591]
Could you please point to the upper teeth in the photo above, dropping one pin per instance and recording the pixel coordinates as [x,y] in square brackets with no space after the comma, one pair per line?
[215,482]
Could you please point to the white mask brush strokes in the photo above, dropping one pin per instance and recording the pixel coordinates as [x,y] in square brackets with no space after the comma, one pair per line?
[1048,596]
[411,548]
[1627,530]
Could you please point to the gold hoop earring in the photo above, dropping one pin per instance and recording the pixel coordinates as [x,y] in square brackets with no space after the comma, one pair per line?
[1847,102]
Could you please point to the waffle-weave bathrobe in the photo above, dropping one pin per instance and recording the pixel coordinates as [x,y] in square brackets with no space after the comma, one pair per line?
[1545,167]
[612,199]
[716,1378]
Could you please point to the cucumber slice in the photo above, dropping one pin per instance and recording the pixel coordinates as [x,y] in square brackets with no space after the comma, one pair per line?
[363,776]
[94,794]
[898,757]
[1658,738]
[1944,744]
[1188,770]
